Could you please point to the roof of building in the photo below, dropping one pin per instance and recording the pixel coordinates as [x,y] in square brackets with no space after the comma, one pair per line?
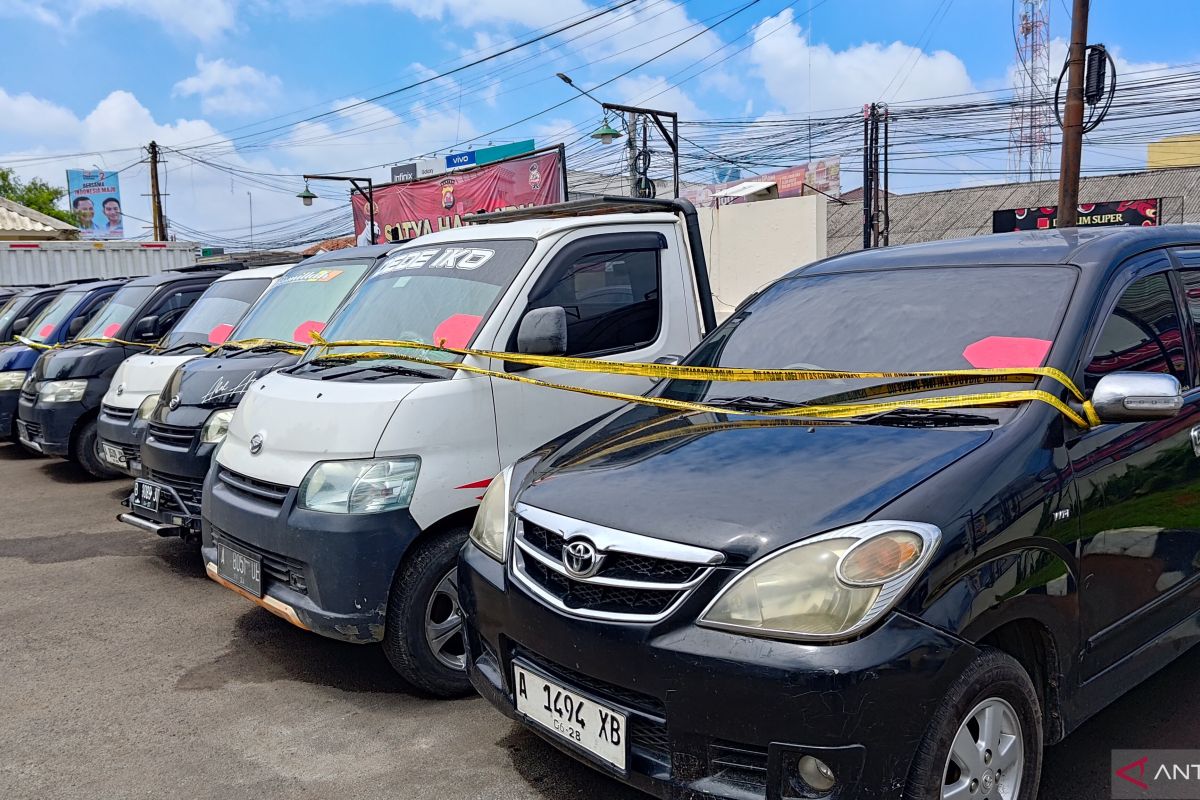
[957,213]
[19,220]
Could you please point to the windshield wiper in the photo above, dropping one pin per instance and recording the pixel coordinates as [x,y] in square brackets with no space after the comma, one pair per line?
[265,347]
[383,370]
[175,348]
[925,418]
[752,402]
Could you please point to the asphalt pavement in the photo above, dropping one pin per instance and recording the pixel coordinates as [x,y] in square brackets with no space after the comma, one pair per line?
[125,673]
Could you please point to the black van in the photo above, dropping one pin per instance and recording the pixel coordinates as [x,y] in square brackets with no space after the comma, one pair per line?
[60,400]
[910,602]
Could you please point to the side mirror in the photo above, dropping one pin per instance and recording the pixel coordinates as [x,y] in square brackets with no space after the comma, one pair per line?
[19,325]
[543,332]
[1134,396]
[669,360]
[146,329]
[76,326]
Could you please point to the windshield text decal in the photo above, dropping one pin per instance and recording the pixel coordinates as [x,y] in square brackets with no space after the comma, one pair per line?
[438,258]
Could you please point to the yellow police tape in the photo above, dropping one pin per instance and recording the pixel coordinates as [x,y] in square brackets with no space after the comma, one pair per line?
[247,344]
[1086,419]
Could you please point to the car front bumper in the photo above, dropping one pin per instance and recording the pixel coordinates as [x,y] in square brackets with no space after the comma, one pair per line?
[715,714]
[327,573]
[179,471]
[125,432]
[49,425]
[8,411]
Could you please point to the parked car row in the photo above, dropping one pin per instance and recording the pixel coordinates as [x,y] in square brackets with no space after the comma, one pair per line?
[902,582]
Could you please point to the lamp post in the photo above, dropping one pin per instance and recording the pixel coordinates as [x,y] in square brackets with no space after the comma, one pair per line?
[368,194]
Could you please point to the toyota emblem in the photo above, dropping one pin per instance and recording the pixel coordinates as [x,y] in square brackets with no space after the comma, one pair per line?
[174,403]
[256,443]
[580,558]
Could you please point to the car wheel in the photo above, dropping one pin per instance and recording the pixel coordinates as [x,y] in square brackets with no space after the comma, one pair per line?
[86,452]
[423,634]
[984,741]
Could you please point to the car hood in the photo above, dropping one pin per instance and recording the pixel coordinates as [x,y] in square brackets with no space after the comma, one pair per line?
[80,361]
[140,376]
[302,421]
[220,381]
[745,487]
[16,357]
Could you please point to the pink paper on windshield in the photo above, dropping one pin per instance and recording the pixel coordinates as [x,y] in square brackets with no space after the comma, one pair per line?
[1007,352]
[46,331]
[304,331]
[456,330]
[111,330]
[220,333]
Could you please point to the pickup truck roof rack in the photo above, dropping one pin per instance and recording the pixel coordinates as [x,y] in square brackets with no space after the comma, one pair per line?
[625,205]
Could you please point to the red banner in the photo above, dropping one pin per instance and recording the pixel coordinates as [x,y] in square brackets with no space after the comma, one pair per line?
[405,210]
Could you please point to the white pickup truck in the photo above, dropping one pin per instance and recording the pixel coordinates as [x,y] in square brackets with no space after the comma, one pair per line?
[345,488]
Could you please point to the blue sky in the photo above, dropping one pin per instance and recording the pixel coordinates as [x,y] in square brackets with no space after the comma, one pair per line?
[120,72]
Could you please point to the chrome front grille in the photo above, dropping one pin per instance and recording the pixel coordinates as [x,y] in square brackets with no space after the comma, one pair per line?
[632,578]
[118,414]
[172,435]
[263,491]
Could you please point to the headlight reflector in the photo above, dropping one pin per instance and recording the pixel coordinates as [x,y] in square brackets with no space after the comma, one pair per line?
[366,486]
[831,586]
[12,379]
[216,426]
[489,532]
[62,391]
[147,407]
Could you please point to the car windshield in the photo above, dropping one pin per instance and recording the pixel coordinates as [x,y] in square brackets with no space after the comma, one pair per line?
[300,302]
[898,320]
[429,295]
[11,311]
[108,323]
[52,316]
[211,319]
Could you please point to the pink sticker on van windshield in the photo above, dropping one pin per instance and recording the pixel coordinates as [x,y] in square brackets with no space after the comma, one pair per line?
[1007,352]
[220,333]
[111,330]
[456,330]
[46,330]
[304,331]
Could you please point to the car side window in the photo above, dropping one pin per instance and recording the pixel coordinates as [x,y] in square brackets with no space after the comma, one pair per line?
[171,307]
[612,299]
[93,306]
[1142,334]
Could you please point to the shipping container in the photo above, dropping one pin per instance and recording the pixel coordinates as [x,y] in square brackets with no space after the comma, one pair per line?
[53,262]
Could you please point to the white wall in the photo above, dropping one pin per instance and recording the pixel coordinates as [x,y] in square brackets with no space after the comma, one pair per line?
[748,245]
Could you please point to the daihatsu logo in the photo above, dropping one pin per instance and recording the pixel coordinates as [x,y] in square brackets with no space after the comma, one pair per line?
[256,444]
[581,559]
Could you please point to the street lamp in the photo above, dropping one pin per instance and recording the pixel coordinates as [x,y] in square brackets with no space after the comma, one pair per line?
[307,196]
[606,133]
[368,194]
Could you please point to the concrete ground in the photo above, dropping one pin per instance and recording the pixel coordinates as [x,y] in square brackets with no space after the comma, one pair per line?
[125,673]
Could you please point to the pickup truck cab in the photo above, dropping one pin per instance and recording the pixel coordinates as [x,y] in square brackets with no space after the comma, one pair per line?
[345,488]
[189,420]
[60,400]
[135,386]
[907,601]
[16,358]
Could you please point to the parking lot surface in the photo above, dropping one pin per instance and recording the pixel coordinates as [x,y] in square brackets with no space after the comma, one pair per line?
[124,672]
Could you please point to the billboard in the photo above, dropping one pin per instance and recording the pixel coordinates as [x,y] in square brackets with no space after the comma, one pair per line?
[1113,212]
[95,197]
[821,176]
[405,210]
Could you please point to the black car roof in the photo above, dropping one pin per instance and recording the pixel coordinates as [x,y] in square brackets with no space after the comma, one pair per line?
[91,286]
[1091,249]
[163,278]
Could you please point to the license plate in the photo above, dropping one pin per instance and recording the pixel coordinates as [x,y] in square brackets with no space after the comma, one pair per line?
[240,568]
[113,455]
[145,495]
[588,725]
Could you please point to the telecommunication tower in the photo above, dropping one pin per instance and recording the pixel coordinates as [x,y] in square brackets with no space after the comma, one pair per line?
[1032,118]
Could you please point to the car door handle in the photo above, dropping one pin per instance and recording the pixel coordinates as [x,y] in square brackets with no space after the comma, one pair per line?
[1196,441]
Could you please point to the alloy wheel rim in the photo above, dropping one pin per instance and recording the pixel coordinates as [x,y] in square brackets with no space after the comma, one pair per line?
[987,756]
[444,623]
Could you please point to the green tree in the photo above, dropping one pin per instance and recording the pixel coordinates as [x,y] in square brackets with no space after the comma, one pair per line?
[36,194]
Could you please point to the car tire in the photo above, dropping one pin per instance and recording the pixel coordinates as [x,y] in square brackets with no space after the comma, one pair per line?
[989,721]
[84,452]
[423,636]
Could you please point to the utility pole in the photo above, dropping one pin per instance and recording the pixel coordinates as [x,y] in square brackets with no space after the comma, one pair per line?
[1072,146]
[632,124]
[156,209]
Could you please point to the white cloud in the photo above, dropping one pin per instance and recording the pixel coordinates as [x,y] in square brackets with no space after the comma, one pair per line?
[203,19]
[656,91]
[227,88]
[29,115]
[802,76]
[531,13]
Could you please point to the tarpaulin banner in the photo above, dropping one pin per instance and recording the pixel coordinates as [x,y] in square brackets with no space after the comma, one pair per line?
[822,176]
[405,210]
[1114,212]
[95,197]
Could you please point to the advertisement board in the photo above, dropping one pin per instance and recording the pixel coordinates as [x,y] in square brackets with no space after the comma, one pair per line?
[405,210]
[95,197]
[820,176]
[1113,212]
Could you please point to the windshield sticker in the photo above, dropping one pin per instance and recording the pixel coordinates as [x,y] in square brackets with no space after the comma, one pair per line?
[456,330]
[468,258]
[220,333]
[111,331]
[304,331]
[46,331]
[1007,352]
[312,276]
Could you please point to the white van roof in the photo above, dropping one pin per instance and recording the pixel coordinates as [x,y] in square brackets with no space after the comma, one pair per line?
[537,228]
[271,272]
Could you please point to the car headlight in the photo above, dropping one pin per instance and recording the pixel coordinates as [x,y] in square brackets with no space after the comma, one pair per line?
[13,379]
[489,532]
[216,426]
[369,486]
[147,407]
[831,586]
[62,391]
